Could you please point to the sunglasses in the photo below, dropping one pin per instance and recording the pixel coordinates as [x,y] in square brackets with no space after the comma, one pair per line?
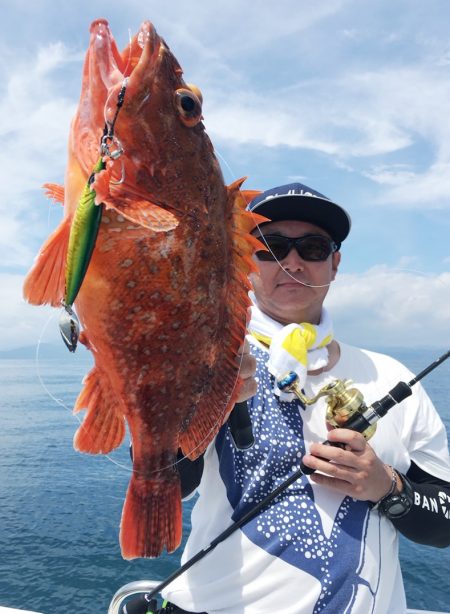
[312,248]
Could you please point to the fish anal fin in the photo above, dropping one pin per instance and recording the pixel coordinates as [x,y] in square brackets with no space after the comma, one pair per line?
[45,283]
[103,427]
[151,516]
[55,192]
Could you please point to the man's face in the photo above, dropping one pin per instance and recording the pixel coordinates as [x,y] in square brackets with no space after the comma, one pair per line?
[280,288]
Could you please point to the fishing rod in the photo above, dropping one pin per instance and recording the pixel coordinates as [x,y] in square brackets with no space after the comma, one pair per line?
[348,411]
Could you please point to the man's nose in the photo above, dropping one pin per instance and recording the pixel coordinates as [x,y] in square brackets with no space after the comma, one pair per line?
[293,261]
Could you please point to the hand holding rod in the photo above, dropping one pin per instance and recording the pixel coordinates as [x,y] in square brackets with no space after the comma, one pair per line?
[361,421]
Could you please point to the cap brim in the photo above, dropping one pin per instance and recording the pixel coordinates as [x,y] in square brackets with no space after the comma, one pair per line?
[312,209]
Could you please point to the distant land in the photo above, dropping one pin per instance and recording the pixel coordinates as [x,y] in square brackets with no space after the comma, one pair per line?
[59,350]
[46,351]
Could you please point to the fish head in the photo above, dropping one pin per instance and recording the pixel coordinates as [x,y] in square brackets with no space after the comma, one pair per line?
[148,117]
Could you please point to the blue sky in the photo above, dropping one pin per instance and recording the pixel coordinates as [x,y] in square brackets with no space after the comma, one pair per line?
[350,98]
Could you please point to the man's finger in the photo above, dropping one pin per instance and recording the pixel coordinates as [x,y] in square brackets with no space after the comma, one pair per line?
[247,390]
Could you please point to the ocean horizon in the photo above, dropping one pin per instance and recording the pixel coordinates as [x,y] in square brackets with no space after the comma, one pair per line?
[61,510]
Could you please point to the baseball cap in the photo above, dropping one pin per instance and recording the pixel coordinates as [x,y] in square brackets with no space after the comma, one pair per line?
[295,201]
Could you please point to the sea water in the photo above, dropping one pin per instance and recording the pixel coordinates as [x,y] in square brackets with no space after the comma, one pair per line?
[60,510]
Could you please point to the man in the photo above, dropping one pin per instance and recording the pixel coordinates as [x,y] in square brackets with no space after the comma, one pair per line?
[329,543]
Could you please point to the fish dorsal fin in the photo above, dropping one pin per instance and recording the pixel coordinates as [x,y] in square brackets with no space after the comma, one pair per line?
[55,192]
[249,195]
[135,208]
[211,412]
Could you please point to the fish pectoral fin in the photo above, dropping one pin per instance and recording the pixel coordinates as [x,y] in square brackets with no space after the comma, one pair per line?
[143,212]
[103,427]
[55,192]
[45,283]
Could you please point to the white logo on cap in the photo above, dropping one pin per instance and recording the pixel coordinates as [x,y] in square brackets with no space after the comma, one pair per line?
[292,192]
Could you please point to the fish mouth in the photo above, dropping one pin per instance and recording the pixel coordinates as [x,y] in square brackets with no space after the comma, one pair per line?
[106,72]
[138,56]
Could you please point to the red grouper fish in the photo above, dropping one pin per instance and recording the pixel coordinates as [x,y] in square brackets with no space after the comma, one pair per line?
[163,255]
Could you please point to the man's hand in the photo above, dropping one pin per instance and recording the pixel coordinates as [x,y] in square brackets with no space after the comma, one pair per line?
[355,471]
[247,364]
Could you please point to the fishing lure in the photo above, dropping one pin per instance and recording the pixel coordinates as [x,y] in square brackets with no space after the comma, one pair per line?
[84,231]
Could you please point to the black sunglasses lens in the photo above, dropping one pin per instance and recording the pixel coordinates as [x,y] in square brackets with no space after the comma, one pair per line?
[278,248]
[314,249]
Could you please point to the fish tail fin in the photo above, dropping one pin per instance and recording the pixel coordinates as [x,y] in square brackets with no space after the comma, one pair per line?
[151,517]
[45,283]
[103,427]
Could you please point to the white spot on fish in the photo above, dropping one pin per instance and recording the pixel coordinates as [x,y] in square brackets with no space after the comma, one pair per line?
[105,219]
[120,218]
[131,284]
[116,305]
[126,263]
[107,246]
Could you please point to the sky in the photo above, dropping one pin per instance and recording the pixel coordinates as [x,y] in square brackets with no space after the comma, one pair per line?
[351,98]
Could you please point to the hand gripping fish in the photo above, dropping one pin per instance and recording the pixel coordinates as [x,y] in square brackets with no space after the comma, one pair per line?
[156,251]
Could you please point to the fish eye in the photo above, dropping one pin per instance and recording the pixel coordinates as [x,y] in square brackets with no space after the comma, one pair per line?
[188,106]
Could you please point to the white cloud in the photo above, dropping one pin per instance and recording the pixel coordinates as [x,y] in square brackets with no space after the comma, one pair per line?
[34,124]
[392,307]
[409,189]
[350,117]
[394,175]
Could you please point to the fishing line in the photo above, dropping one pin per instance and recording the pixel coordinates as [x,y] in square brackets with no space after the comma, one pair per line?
[259,229]
[241,356]
[219,155]
[207,436]
[60,401]
[302,283]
